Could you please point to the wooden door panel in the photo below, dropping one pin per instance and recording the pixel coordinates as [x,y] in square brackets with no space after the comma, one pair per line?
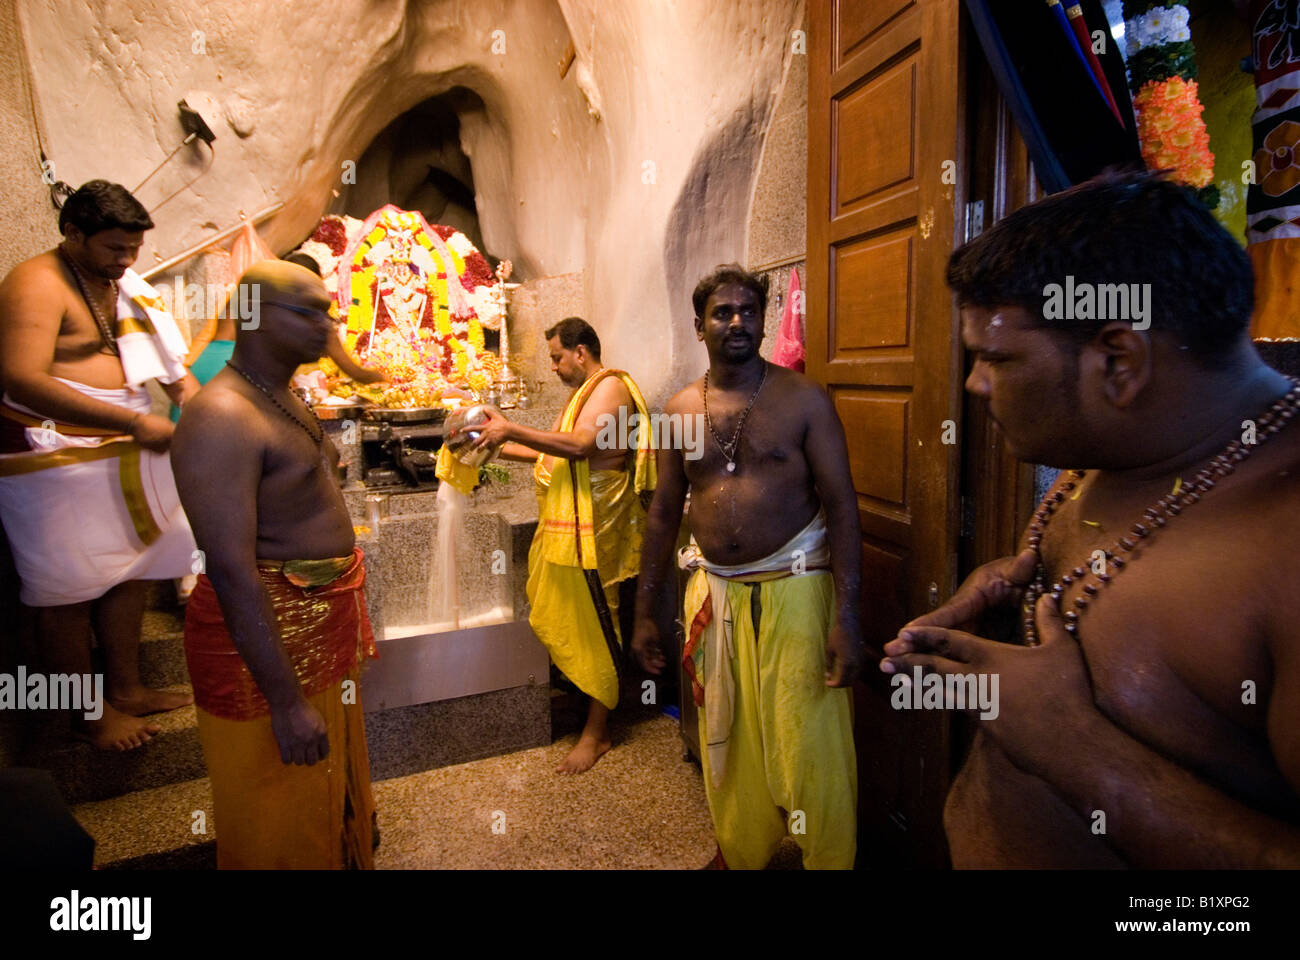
[883,566]
[874,131]
[883,109]
[876,428]
[856,22]
[871,280]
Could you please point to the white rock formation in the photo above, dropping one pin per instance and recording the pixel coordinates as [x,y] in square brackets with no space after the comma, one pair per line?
[634,169]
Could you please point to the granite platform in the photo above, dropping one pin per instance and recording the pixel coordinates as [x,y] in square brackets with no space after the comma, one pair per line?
[442,693]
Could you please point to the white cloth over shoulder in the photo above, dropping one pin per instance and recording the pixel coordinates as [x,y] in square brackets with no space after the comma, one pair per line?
[149,343]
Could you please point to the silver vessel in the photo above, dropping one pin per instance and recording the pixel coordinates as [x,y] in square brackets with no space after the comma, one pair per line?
[460,436]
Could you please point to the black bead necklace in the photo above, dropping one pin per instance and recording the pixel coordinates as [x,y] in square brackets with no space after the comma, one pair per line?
[105,329]
[315,438]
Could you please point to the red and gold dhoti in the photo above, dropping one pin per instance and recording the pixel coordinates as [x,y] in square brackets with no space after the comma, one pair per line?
[270,814]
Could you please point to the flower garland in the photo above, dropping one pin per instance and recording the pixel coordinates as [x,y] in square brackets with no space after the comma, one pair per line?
[1162,76]
[463,297]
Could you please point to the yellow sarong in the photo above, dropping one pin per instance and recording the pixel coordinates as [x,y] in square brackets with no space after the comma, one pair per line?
[790,753]
[587,521]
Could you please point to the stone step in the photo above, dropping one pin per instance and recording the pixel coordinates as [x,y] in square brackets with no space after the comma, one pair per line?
[84,773]
[155,829]
[162,649]
[424,736]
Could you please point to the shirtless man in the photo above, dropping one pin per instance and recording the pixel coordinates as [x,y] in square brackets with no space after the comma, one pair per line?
[59,364]
[566,611]
[282,590]
[774,517]
[1162,734]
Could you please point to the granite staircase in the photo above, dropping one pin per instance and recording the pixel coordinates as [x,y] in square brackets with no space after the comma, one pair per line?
[151,808]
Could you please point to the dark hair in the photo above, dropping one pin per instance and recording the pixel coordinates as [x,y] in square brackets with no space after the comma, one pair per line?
[573,331]
[1118,228]
[98,205]
[725,274]
[305,260]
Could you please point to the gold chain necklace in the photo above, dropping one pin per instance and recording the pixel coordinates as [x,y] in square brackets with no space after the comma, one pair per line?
[1167,508]
[729,449]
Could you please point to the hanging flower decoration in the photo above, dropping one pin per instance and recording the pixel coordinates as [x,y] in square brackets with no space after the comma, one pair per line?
[1162,76]
[414,299]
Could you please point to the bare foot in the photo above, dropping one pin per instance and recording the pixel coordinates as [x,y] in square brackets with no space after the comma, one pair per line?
[584,756]
[144,700]
[115,730]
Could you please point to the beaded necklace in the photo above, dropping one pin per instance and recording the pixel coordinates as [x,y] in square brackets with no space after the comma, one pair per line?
[105,330]
[1168,507]
[316,439]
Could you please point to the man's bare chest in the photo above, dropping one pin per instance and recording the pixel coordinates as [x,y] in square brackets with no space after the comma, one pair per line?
[79,334]
[1173,641]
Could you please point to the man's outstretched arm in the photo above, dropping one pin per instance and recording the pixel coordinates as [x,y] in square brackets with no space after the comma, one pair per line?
[588,436]
[518,452]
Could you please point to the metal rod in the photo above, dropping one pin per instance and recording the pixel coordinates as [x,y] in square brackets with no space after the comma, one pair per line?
[777,264]
[204,244]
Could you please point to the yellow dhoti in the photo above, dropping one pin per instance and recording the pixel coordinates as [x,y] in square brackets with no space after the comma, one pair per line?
[589,531]
[784,763]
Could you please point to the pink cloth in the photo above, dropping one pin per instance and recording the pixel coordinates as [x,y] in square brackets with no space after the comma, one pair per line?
[247,250]
[789,349]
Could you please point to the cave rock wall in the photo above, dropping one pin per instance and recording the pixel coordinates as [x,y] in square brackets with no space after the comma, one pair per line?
[633,166]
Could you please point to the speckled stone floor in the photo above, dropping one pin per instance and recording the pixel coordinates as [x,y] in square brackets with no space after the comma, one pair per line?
[640,808]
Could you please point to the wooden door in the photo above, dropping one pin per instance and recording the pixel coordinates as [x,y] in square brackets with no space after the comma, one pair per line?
[997,495]
[885,179]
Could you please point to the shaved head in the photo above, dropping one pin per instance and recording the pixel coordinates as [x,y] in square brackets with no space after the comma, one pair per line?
[279,280]
[288,312]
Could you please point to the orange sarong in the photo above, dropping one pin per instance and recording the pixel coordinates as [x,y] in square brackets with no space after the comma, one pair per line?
[269,814]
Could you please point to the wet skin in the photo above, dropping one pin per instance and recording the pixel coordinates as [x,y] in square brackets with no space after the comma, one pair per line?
[1143,717]
[256,485]
[791,460]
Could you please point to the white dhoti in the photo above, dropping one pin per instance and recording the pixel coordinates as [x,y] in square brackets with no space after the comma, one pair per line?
[86,513]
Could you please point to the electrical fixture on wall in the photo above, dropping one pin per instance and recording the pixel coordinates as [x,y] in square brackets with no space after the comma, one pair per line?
[198,112]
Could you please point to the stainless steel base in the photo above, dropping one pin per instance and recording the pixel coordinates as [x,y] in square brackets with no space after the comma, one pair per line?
[455,663]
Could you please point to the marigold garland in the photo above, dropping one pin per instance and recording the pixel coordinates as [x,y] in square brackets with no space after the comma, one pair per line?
[1172,132]
[1162,75]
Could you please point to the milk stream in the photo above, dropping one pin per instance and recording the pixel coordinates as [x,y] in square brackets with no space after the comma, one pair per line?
[444,590]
